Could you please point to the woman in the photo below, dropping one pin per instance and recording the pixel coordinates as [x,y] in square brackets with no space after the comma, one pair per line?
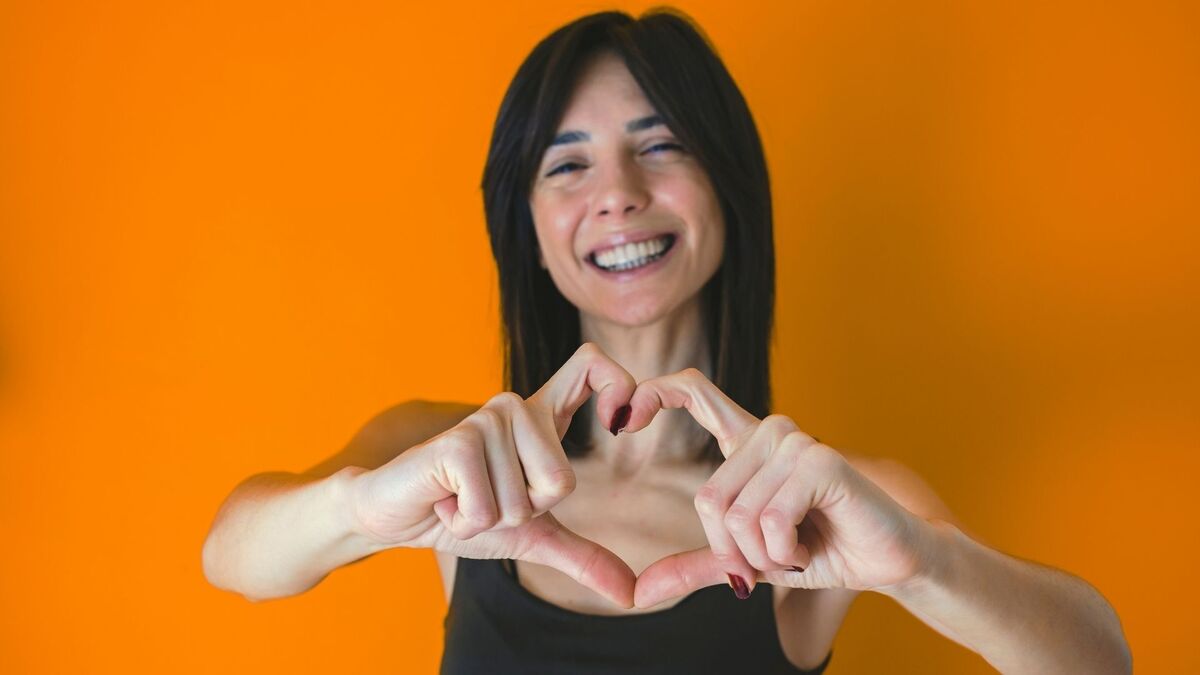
[629,212]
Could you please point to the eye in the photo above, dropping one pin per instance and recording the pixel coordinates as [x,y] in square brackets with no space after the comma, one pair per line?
[559,168]
[665,146]
[568,167]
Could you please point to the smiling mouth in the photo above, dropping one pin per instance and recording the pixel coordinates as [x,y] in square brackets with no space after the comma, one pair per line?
[630,257]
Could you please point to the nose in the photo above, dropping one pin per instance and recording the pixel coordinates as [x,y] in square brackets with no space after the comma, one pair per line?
[621,190]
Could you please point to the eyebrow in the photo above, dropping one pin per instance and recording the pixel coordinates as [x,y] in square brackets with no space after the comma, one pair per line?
[640,124]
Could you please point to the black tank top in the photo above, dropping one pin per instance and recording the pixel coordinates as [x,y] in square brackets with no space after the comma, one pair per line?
[495,625]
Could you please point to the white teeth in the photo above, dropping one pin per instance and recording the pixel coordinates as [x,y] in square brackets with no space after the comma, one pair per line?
[625,255]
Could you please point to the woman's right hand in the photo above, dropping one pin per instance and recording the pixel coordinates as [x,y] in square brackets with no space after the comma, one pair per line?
[484,488]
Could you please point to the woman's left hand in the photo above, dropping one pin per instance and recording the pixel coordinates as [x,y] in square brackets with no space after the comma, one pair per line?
[780,502]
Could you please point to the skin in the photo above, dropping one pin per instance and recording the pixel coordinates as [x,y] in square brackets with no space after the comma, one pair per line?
[616,183]
[818,525]
[639,524]
[645,483]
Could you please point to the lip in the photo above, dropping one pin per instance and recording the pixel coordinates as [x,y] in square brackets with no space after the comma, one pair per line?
[628,238]
[630,275]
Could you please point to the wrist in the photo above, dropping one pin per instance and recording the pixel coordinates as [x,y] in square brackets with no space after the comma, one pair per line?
[938,543]
[347,487]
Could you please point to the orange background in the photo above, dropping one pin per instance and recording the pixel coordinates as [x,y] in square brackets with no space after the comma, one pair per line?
[231,234]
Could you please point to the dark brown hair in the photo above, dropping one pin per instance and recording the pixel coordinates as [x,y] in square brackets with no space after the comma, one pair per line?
[686,82]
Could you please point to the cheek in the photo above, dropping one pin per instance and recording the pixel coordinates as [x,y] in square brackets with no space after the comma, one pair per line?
[555,221]
[696,201]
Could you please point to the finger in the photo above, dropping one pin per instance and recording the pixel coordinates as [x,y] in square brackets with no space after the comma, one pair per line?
[691,389]
[780,519]
[590,564]
[474,508]
[677,575]
[713,500]
[588,371]
[787,509]
[746,516]
[545,464]
[504,469]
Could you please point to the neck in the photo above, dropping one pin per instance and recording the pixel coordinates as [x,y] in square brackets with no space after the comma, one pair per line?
[673,343]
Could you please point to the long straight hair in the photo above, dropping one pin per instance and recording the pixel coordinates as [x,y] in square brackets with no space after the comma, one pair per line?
[686,82]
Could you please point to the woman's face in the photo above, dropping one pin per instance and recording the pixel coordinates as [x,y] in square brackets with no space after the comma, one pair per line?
[613,177]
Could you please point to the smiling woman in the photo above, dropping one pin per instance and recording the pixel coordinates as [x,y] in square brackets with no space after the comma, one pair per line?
[617,131]
[629,503]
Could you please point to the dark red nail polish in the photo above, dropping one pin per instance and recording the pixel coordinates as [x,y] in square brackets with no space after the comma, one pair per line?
[620,419]
[797,568]
[740,589]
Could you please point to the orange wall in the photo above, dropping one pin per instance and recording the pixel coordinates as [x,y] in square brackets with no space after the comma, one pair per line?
[231,234]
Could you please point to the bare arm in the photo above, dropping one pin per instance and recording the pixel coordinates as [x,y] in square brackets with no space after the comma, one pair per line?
[1023,617]
[279,534]
[475,483]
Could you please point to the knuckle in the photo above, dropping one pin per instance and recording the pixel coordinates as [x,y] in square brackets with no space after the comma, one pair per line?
[517,515]
[739,518]
[796,444]
[694,374]
[789,449]
[797,441]
[536,535]
[560,482]
[708,500]
[483,518]
[489,418]
[589,349]
[460,445]
[506,399]
[774,519]
[779,423]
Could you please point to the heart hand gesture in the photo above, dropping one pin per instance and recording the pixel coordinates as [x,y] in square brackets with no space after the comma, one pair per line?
[782,508]
[484,488]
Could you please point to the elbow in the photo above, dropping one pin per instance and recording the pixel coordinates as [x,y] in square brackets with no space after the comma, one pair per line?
[214,563]
[216,571]
[211,559]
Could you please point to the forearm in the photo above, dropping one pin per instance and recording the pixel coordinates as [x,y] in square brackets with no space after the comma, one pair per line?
[279,534]
[1020,616]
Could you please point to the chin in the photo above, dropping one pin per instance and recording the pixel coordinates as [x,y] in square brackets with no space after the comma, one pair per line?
[637,313]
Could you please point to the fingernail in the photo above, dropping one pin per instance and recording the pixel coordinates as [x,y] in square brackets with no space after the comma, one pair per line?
[620,419]
[739,586]
[797,568]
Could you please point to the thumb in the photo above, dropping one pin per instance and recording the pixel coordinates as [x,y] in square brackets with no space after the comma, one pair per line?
[678,574]
[547,542]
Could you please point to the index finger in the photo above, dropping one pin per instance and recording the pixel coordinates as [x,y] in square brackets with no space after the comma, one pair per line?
[692,390]
[588,371]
